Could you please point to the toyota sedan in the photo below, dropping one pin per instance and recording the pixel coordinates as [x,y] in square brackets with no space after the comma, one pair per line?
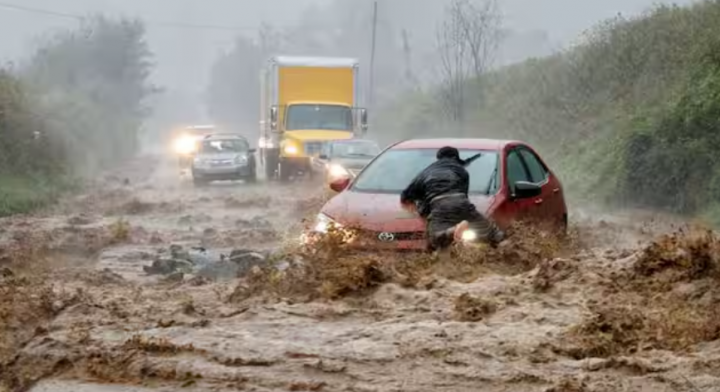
[510,181]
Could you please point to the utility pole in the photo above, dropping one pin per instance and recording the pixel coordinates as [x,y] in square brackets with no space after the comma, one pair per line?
[371,90]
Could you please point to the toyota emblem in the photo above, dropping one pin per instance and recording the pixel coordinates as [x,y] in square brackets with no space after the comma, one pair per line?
[386,237]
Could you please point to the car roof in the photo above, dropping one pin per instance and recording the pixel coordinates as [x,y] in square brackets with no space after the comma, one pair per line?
[460,143]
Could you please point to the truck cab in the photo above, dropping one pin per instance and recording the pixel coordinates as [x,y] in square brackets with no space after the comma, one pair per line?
[306,102]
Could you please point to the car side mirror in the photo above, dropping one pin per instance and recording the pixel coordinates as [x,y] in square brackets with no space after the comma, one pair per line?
[252,150]
[526,190]
[340,184]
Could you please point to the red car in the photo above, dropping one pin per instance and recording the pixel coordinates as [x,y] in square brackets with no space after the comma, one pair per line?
[508,182]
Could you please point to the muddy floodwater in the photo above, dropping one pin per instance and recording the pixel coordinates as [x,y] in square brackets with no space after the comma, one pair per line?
[627,303]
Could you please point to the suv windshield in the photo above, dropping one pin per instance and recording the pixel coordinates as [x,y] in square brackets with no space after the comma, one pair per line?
[392,171]
[355,149]
[325,117]
[223,146]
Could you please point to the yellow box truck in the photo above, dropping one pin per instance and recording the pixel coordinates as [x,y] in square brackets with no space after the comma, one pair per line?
[305,102]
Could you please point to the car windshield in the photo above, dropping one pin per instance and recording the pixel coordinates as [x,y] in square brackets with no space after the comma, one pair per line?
[223,146]
[355,149]
[392,171]
[325,117]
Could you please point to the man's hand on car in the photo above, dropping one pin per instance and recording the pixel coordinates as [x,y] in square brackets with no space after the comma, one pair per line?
[409,207]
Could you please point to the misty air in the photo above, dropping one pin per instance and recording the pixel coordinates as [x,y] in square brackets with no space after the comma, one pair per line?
[359,195]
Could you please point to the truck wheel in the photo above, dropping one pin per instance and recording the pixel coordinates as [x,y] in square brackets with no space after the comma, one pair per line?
[284,170]
[271,166]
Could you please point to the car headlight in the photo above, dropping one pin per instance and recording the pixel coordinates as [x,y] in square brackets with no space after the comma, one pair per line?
[323,222]
[185,145]
[199,162]
[469,236]
[291,149]
[241,159]
[338,171]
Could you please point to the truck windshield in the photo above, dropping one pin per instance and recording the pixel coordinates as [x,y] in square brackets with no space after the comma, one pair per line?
[325,117]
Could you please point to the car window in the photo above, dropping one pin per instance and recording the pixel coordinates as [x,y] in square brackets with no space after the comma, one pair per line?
[325,149]
[538,173]
[393,170]
[515,169]
[223,146]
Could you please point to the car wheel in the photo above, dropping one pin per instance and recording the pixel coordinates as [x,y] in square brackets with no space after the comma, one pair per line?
[563,226]
[252,178]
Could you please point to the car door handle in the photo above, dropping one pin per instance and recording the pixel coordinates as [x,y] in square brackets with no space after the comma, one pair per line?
[556,190]
[538,201]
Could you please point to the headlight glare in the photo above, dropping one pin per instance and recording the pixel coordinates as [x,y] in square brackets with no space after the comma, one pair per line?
[338,171]
[184,145]
[469,236]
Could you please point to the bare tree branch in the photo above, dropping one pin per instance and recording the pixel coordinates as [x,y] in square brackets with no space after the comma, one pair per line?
[467,40]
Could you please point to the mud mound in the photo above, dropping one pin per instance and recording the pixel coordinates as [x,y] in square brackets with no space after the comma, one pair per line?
[27,304]
[681,256]
[469,308]
[250,202]
[667,300]
[330,270]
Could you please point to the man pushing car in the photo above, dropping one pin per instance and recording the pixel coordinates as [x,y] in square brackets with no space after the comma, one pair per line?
[439,194]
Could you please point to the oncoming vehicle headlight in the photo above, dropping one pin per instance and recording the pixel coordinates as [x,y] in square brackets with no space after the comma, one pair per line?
[291,149]
[185,145]
[469,236]
[241,159]
[338,171]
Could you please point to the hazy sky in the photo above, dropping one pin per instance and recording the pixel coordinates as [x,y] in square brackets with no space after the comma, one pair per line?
[183,55]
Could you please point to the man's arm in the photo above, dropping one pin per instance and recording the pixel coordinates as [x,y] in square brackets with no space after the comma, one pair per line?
[413,192]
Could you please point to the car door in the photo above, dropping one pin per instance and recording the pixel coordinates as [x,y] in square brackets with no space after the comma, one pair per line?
[552,197]
[517,170]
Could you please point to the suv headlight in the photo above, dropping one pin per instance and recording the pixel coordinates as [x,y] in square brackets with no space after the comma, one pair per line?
[241,159]
[199,162]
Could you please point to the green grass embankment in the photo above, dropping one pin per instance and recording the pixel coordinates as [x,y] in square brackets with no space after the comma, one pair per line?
[630,117]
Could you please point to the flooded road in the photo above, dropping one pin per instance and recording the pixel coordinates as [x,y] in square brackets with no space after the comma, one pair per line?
[621,308]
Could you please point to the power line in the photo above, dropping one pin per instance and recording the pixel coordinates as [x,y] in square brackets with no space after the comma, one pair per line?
[179,25]
[39,11]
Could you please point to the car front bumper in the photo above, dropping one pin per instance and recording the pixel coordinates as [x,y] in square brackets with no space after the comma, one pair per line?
[368,240]
[220,172]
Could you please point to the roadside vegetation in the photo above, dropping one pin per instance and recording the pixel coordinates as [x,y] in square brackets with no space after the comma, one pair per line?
[74,107]
[628,116]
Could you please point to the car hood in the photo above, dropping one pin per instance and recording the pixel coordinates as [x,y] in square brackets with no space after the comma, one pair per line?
[352,163]
[381,212]
[221,156]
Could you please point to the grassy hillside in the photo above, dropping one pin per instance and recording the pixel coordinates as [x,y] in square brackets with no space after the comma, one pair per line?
[630,116]
[73,108]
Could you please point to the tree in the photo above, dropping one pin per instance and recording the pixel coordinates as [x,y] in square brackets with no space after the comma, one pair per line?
[233,95]
[92,85]
[467,40]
